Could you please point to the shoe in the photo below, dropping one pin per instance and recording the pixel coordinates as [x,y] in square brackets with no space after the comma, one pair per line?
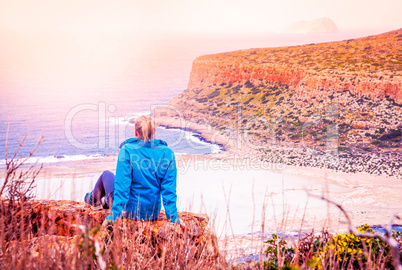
[104,203]
[88,198]
[96,207]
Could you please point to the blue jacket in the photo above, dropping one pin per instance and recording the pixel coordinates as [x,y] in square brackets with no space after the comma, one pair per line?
[145,172]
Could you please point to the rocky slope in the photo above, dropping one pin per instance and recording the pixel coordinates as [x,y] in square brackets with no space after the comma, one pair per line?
[329,100]
[369,67]
[62,217]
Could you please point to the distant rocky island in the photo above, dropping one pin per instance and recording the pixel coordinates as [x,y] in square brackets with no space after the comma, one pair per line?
[335,105]
[321,25]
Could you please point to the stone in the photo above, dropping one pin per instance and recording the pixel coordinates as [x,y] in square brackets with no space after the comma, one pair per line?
[66,224]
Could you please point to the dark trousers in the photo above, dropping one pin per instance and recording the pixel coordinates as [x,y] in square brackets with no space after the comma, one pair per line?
[104,187]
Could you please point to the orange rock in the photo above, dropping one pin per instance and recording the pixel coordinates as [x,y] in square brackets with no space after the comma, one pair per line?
[359,124]
[288,68]
[65,224]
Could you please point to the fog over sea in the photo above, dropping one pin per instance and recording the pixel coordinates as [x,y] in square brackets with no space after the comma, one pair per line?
[81,93]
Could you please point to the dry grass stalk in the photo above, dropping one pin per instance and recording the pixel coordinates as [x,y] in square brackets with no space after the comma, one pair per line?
[17,184]
[386,238]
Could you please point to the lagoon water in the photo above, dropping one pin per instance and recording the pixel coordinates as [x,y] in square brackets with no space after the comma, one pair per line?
[80,93]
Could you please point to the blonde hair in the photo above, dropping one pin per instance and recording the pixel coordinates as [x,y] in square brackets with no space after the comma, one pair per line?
[145,127]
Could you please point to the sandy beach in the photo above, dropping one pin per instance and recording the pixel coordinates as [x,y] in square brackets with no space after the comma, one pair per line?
[218,183]
[248,200]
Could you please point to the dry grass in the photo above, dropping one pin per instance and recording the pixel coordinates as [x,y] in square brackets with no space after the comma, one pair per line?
[127,247]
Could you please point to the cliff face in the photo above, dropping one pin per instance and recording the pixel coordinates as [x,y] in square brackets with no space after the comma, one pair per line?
[346,94]
[208,73]
[369,67]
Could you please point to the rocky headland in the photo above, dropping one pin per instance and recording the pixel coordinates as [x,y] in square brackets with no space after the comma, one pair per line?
[331,105]
[59,230]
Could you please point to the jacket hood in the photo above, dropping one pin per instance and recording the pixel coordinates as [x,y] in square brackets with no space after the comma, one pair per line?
[151,143]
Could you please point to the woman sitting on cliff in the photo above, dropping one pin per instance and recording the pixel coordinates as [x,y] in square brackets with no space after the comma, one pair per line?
[145,172]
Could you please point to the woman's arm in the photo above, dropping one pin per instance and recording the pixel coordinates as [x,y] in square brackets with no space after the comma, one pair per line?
[168,190]
[122,185]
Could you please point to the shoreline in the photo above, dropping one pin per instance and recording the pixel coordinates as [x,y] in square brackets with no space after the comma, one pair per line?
[220,166]
[291,156]
[195,134]
[54,159]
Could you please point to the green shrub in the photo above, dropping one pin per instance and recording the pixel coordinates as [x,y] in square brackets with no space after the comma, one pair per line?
[214,94]
[353,251]
[278,253]
[324,251]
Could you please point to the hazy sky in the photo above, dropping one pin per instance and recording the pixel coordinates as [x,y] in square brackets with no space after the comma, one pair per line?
[195,15]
